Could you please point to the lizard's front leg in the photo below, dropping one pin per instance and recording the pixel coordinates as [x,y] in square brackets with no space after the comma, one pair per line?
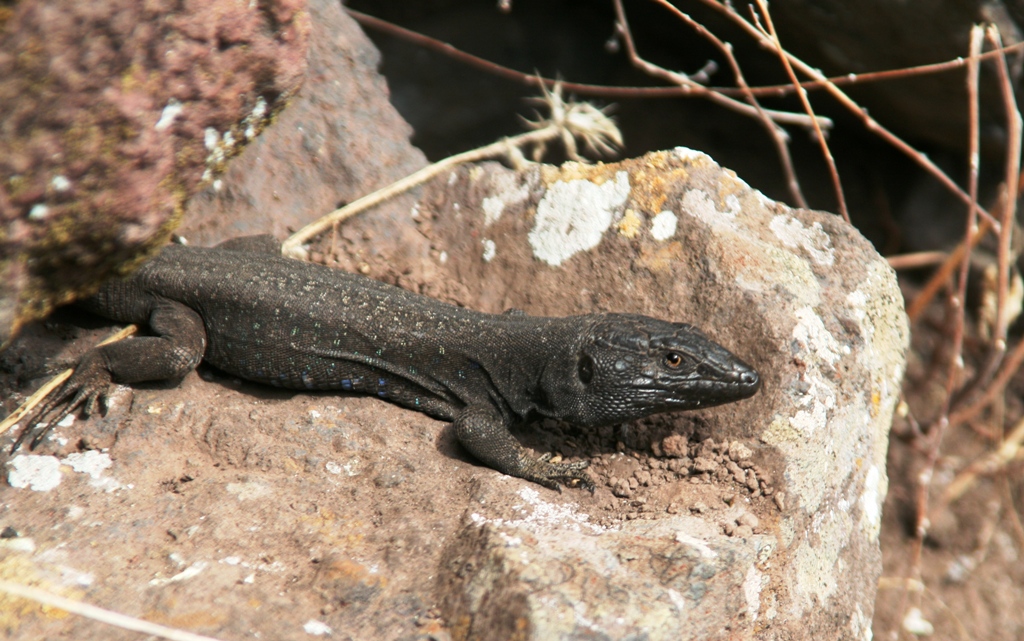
[482,431]
[175,350]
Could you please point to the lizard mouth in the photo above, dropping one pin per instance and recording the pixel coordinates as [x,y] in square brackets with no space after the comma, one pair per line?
[744,383]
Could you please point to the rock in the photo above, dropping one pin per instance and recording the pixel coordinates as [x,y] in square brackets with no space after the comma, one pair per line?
[339,139]
[675,446]
[799,294]
[739,452]
[115,112]
[551,574]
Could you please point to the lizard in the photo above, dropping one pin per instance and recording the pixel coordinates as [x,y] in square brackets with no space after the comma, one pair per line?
[255,314]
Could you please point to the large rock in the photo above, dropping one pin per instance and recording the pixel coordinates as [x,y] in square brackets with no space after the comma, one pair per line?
[114,113]
[799,294]
[752,520]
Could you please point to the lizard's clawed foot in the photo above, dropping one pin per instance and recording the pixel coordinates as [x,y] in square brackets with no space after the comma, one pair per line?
[552,475]
[89,383]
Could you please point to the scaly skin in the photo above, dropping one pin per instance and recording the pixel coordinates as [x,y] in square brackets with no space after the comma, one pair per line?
[273,320]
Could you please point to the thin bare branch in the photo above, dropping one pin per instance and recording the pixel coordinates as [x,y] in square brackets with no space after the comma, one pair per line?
[934,436]
[870,123]
[685,81]
[942,275]
[917,260]
[770,33]
[612,91]
[778,135]
[994,390]
[1013,149]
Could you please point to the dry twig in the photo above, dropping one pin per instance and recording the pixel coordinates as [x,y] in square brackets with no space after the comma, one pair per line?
[777,134]
[687,89]
[870,123]
[768,31]
[109,617]
[568,121]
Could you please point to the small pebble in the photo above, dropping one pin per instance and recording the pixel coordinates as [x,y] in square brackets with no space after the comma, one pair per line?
[748,518]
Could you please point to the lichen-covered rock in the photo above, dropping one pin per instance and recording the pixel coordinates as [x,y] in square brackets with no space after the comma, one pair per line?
[114,112]
[799,294]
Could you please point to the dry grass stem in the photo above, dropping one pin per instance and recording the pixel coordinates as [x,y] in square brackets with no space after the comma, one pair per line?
[990,464]
[568,121]
[109,617]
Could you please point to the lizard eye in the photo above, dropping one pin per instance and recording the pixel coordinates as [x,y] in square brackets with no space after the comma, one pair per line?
[585,369]
[673,359]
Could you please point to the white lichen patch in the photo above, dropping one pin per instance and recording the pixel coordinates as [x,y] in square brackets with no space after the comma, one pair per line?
[871,503]
[171,111]
[252,123]
[812,240]
[508,191]
[43,473]
[752,583]
[857,300]
[817,567]
[812,336]
[493,207]
[691,155]
[702,547]
[249,491]
[94,464]
[539,515]
[574,215]
[677,600]
[817,347]
[190,572]
[699,204]
[211,137]
[663,226]
[490,249]
[317,628]
[37,473]
[60,183]
[91,462]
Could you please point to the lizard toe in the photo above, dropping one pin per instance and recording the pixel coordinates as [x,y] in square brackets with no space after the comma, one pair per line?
[89,381]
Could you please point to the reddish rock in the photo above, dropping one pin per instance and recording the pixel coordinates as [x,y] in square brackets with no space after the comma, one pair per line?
[114,112]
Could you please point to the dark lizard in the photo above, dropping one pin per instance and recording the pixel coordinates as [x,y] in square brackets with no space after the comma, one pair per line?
[255,314]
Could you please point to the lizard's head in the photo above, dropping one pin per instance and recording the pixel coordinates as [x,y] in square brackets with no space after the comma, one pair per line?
[631,366]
